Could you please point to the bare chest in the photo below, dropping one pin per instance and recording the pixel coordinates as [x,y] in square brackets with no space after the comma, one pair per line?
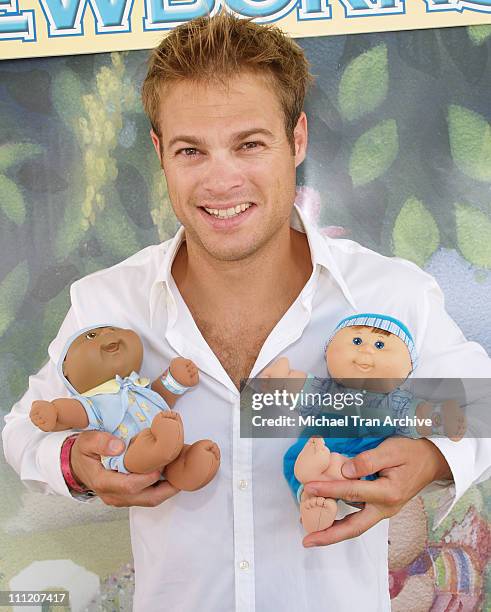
[235,343]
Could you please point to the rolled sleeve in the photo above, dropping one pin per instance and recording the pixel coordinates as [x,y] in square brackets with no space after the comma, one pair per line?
[445,353]
[32,453]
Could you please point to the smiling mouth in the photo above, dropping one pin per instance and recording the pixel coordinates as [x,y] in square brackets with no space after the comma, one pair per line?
[228,213]
[363,367]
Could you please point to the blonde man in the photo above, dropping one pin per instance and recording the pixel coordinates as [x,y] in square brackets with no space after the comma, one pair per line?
[245,280]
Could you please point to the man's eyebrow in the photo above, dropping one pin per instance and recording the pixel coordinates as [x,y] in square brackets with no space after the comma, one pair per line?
[198,142]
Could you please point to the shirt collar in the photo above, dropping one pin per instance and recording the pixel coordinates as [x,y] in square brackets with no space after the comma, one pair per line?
[319,244]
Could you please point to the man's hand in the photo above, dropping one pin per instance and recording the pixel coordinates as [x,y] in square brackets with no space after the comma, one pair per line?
[113,488]
[404,466]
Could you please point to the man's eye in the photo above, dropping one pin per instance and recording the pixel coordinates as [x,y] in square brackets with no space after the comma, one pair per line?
[90,335]
[250,145]
[379,344]
[357,340]
[188,152]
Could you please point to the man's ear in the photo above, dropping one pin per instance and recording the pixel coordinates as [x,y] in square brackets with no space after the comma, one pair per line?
[300,139]
[156,143]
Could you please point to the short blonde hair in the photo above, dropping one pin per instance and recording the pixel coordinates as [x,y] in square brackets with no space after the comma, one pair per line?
[215,49]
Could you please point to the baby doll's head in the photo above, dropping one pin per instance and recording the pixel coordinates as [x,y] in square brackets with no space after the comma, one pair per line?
[371,351]
[97,354]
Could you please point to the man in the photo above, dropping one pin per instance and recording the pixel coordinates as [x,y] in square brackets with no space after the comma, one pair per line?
[244,281]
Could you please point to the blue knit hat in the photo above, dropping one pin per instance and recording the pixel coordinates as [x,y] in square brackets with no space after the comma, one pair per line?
[385,322]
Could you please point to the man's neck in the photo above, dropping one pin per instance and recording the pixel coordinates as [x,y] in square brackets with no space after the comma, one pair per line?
[277,271]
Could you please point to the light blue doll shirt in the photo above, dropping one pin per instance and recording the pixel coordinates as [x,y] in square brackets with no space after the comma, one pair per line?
[122,407]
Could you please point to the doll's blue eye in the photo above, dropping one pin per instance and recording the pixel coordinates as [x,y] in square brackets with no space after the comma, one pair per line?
[379,344]
[357,340]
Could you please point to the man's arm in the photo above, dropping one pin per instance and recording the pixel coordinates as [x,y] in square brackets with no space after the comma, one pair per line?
[407,466]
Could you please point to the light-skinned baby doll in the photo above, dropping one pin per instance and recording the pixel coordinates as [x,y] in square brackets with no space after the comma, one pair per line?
[372,353]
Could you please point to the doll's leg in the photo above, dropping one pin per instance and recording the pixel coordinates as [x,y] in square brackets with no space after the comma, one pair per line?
[317,513]
[316,462]
[312,461]
[157,445]
[195,467]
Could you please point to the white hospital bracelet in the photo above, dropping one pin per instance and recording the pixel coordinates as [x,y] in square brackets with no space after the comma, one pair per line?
[171,384]
[437,421]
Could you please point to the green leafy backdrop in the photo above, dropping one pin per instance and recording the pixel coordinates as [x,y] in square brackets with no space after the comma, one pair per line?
[399,160]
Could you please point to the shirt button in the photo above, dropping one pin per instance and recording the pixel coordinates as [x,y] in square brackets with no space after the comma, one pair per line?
[244,565]
[243,485]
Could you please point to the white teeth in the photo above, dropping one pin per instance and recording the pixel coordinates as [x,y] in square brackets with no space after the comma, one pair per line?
[227,213]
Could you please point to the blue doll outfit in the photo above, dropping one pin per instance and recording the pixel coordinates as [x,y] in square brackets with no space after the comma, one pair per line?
[122,407]
[399,404]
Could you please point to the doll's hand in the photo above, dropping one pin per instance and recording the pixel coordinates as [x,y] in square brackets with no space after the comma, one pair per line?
[113,488]
[44,415]
[405,467]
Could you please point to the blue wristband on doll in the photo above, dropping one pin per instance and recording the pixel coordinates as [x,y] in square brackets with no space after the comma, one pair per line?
[171,384]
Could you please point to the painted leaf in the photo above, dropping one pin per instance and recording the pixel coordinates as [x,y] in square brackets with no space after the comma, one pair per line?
[374,152]
[415,235]
[12,291]
[16,152]
[67,95]
[479,33]
[115,231]
[470,142]
[364,84]
[71,231]
[474,235]
[12,201]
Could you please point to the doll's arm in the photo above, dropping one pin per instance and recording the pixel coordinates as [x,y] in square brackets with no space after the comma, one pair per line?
[59,414]
[176,380]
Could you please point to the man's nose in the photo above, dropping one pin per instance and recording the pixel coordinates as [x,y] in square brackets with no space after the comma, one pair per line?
[223,174]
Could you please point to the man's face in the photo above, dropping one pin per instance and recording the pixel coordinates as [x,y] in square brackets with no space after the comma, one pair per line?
[229,167]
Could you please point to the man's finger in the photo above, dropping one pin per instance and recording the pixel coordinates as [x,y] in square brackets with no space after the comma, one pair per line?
[99,443]
[351,526]
[154,496]
[368,462]
[371,491]
[109,482]
[150,497]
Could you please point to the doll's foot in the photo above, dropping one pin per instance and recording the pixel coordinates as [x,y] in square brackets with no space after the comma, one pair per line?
[44,415]
[195,467]
[312,461]
[168,431]
[184,371]
[317,513]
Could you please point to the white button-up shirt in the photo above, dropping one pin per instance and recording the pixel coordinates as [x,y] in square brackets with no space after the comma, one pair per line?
[236,543]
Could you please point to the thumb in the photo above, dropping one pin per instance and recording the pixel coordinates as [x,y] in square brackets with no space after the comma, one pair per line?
[100,443]
[364,464]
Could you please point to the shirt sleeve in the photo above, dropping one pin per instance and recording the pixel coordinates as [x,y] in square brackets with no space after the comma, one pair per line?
[445,353]
[32,453]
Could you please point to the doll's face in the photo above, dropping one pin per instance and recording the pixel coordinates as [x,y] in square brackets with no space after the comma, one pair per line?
[96,356]
[368,358]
